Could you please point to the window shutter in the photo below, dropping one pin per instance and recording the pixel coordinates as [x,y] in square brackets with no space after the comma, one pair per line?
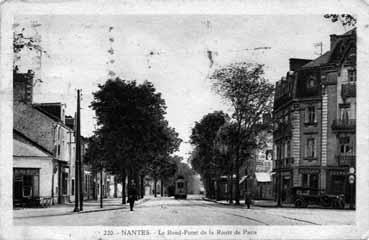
[306,115]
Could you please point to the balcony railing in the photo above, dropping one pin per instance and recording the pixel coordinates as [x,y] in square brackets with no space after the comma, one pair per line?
[344,125]
[348,90]
[283,130]
[346,160]
[284,163]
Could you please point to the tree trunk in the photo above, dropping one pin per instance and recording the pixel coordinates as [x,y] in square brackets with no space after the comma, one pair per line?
[142,186]
[162,187]
[217,190]
[230,183]
[138,186]
[115,186]
[209,187]
[101,188]
[155,181]
[124,187]
[237,197]
[237,186]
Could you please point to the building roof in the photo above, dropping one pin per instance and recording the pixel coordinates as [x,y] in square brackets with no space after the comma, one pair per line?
[24,147]
[323,59]
[263,177]
[52,110]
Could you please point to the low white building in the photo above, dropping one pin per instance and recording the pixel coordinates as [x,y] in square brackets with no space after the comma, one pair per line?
[32,171]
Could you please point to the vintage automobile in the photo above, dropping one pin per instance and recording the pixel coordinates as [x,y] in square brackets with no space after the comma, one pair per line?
[304,196]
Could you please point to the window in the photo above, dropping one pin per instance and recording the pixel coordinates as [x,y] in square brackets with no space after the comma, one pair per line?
[345,145]
[58,149]
[64,183]
[310,115]
[27,186]
[288,149]
[311,82]
[285,150]
[345,113]
[310,148]
[310,180]
[351,75]
[304,180]
[313,181]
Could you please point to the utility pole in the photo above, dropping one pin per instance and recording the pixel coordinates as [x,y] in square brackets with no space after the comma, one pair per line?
[78,156]
[78,150]
[101,188]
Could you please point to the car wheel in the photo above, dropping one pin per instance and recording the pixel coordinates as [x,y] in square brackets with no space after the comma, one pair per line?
[299,203]
[325,201]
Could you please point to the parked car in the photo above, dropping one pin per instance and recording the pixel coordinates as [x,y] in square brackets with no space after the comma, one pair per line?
[304,196]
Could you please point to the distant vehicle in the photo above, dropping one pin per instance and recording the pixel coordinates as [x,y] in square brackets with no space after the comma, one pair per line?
[303,196]
[180,188]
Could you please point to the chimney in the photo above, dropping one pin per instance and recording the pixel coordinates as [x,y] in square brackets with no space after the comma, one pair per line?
[333,38]
[23,86]
[296,63]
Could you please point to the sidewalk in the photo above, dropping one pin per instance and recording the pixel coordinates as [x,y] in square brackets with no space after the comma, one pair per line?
[270,204]
[67,208]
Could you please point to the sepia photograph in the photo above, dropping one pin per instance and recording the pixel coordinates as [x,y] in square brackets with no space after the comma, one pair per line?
[183,120]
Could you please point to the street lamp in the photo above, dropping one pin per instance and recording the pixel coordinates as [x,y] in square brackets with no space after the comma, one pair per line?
[351,180]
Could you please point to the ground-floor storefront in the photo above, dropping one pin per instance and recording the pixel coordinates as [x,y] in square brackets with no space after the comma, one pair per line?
[328,180]
[32,172]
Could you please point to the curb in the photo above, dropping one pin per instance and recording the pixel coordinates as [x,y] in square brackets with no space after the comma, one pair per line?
[116,208]
[226,204]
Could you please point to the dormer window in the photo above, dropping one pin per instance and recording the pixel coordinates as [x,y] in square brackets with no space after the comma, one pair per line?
[311,82]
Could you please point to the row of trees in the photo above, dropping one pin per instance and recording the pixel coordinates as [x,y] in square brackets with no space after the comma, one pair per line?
[222,142]
[133,138]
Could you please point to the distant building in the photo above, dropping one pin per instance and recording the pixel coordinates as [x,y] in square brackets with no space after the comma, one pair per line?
[315,120]
[256,172]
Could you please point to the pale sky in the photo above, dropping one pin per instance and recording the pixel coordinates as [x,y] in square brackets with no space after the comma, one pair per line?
[77,49]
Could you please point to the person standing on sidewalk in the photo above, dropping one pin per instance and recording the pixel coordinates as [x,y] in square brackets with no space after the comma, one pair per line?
[132,194]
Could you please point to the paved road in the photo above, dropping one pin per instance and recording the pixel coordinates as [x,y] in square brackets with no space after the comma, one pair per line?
[194,211]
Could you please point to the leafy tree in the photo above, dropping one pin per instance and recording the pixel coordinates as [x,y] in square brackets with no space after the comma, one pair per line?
[131,123]
[95,155]
[250,96]
[21,42]
[344,19]
[202,137]
[162,165]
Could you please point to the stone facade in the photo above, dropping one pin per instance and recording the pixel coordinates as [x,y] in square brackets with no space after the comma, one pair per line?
[315,119]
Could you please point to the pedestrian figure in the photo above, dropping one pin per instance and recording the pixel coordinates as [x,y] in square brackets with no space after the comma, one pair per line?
[248,199]
[132,194]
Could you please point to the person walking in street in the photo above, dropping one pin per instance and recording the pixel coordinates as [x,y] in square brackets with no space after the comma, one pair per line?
[132,194]
[248,199]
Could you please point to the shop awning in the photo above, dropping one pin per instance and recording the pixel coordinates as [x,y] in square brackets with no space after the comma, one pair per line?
[263,177]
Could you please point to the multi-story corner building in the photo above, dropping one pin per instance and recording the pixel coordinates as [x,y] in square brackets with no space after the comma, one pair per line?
[314,121]
[41,126]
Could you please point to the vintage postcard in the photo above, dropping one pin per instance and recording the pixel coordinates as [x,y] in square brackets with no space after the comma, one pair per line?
[184,120]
